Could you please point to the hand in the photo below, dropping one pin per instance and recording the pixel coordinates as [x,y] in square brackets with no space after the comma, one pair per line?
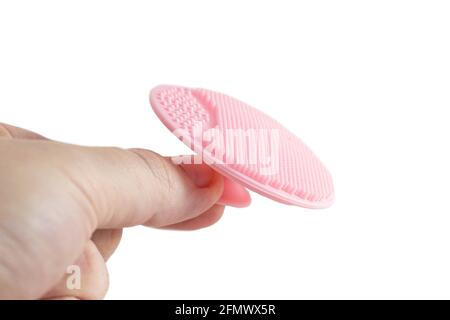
[63,205]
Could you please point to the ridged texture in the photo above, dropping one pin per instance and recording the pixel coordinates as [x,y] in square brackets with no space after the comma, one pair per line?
[300,177]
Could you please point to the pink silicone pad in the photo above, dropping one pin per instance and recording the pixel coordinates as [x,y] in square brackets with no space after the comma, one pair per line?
[245,145]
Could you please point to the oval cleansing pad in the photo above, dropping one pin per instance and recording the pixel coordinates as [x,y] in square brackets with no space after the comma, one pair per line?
[245,145]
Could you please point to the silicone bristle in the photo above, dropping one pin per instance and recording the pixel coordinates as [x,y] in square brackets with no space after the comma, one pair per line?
[300,178]
[181,107]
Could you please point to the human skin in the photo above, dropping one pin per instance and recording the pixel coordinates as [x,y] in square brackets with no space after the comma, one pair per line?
[63,204]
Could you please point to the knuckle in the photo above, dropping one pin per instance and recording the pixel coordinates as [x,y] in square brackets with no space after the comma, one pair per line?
[5,131]
[157,166]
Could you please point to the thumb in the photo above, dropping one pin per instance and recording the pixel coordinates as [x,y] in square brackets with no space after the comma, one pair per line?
[136,186]
[127,187]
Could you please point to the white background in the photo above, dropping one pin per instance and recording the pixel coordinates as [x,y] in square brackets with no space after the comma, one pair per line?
[366,84]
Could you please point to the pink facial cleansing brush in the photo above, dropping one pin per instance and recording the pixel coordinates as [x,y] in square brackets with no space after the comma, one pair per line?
[245,145]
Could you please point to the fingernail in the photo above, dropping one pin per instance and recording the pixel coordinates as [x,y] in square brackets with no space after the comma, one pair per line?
[233,195]
[201,175]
